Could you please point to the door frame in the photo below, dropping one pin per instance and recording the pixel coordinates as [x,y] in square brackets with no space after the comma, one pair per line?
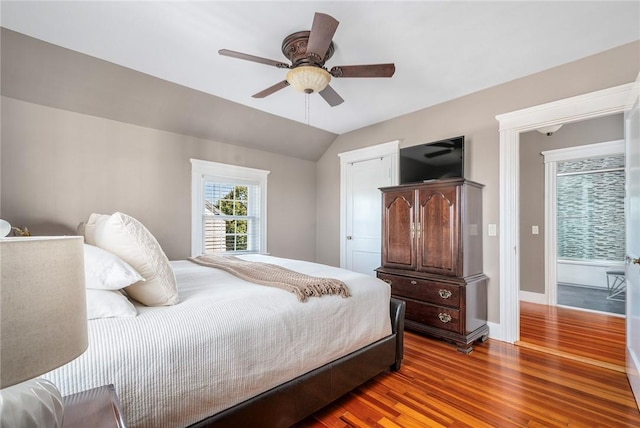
[595,104]
[551,159]
[359,155]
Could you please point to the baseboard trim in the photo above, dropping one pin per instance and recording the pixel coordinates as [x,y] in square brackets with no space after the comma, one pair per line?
[495,331]
[539,298]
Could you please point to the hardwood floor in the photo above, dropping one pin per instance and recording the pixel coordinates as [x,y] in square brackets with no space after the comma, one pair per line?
[497,385]
[586,336]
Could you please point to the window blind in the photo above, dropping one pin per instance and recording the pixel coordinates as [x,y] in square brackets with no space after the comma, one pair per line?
[231,213]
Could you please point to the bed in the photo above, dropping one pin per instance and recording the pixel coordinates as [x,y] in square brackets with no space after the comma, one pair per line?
[233,353]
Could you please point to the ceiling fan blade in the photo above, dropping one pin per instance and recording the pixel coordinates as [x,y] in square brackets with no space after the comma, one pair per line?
[271,89]
[371,70]
[322,31]
[447,144]
[247,57]
[331,96]
[438,153]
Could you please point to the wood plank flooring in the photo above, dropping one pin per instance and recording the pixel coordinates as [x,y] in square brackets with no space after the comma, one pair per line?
[586,336]
[497,385]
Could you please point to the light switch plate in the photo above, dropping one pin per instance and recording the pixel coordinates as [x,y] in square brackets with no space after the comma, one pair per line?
[492,230]
[535,230]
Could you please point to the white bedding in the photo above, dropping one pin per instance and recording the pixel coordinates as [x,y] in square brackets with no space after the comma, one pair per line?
[226,341]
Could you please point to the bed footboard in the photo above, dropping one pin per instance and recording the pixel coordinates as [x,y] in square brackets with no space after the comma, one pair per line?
[397,326]
[293,401]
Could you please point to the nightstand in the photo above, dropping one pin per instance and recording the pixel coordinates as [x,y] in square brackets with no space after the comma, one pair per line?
[96,408]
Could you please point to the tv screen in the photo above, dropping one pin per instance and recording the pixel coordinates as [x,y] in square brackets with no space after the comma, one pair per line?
[433,161]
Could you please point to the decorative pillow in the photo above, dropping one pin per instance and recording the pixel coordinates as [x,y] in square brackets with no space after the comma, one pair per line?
[80,228]
[106,271]
[126,237]
[93,226]
[108,304]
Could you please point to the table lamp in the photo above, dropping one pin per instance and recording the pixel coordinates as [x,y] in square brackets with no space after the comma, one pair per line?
[43,324]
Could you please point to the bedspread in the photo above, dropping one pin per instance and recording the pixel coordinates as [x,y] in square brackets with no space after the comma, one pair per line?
[226,341]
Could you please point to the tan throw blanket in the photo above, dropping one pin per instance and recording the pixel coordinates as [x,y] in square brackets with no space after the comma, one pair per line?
[300,284]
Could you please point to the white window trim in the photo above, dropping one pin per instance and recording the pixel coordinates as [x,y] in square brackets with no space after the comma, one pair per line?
[201,169]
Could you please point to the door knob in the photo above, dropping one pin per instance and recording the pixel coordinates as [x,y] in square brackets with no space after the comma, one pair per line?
[631,260]
[349,238]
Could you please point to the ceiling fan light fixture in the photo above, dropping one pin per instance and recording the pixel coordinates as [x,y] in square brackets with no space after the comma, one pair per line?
[308,79]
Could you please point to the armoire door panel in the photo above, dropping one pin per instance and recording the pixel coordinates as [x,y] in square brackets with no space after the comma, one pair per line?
[438,243]
[399,230]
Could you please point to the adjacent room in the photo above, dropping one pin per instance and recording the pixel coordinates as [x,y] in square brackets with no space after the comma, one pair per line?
[320,213]
[584,186]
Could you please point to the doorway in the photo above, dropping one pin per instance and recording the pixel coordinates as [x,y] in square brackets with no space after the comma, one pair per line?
[596,104]
[573,182]
[586,191]
[623,98]
[362,173]
[574,187]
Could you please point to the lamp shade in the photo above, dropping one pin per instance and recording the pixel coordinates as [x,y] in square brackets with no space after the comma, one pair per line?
[42,304]
[308,78]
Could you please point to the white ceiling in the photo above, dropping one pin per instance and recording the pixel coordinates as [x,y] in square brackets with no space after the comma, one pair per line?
[442,49]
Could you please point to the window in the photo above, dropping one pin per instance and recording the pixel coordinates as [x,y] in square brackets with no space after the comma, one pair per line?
[591,209]
[229,208]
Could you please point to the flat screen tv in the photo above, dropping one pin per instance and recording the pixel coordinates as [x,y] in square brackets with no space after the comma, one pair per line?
[433,161]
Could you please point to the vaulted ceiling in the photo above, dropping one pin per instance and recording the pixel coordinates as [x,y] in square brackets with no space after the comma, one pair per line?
[441,49]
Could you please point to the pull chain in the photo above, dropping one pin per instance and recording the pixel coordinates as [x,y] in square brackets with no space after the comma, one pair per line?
[306,109]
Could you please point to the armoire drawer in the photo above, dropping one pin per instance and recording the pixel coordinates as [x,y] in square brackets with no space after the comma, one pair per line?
[434,316]
[427,291]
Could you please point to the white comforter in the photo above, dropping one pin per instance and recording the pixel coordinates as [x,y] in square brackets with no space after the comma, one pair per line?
[226,341]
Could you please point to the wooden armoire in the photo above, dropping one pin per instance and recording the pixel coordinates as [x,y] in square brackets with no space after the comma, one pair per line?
[432,258]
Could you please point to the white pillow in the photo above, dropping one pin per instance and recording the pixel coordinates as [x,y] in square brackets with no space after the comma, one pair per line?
[80,228]
[126,237]
[93,226]
[108,304]
[106,271]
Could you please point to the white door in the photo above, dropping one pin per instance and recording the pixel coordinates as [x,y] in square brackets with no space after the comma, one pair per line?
[632,160]
[364,212]
[362,172]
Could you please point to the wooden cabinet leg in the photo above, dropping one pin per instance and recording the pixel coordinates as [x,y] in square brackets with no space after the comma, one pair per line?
[465,348]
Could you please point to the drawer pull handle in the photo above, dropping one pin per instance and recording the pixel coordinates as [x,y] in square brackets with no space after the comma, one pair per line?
[445,294]
[445,318]
[414,282]
[388,281]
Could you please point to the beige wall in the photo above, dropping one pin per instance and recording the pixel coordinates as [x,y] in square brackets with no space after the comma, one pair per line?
[49,75]
[58,167]
[474,117]
[532,202]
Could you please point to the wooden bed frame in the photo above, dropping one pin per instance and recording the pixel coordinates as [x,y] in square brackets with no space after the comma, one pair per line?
[296,399]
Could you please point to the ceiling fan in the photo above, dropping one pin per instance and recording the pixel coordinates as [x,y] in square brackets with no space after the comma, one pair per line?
[441,148]
[308,51]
